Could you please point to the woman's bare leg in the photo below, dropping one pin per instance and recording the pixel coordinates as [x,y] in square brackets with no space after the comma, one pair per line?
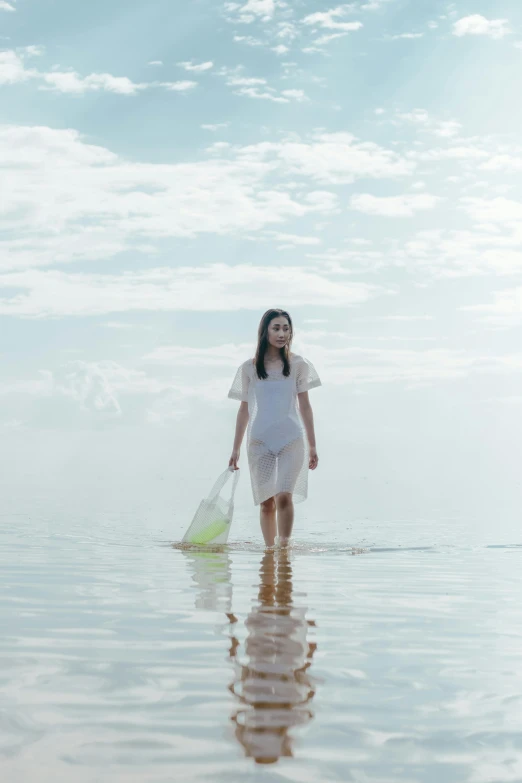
[267,517]
[285,516]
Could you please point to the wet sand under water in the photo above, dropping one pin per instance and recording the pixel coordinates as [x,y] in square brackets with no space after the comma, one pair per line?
[125,658]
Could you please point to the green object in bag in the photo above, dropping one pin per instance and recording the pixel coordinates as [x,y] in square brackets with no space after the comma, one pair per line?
[209,533]
[212,521]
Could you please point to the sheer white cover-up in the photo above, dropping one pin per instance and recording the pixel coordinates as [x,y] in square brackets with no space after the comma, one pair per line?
[277,448]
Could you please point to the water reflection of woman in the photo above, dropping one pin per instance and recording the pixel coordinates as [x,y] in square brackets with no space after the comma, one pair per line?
[273,686]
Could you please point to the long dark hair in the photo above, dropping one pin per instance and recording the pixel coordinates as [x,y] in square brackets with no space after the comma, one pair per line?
[262,342]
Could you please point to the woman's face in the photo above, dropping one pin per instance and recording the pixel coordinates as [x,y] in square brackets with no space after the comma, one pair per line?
[279,332]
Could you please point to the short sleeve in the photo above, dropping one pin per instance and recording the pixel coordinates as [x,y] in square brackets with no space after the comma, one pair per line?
[307,376]
[239,388]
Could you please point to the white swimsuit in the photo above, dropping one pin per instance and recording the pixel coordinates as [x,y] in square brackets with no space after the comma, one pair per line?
[276,445]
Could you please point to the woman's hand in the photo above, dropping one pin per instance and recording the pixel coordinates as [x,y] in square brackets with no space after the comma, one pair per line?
[232,463]
[314,459]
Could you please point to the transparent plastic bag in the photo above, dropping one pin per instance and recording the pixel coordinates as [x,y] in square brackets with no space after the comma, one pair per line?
[212,521]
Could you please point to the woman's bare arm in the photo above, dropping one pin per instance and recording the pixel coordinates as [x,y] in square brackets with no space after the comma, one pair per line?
[308,421]
[241,425]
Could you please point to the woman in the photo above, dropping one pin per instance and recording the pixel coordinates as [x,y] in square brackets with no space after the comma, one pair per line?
[273,391]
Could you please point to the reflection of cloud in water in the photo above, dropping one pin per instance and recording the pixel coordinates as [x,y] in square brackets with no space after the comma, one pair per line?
[273,685]
[212,575]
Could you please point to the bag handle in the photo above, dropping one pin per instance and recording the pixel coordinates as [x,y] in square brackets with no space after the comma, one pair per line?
[220,483]
[234,485]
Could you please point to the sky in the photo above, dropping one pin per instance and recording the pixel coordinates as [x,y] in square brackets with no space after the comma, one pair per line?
[170,170]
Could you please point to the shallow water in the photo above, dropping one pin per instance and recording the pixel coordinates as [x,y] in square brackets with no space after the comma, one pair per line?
[386,652]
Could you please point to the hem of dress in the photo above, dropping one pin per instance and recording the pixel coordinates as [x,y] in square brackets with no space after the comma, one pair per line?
[295,498]
[311,385]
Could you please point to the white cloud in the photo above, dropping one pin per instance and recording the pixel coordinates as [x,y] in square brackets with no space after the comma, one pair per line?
[94,385]
[257,88]
[489,243]
[268,94]
[503,162]
[165,408]
[228,355]
[296,239]
[493,244]
[183,86]
[33,51]
[447,128]
[457,152]
[5,6]
[73,201]
[297,95]
[13,425]
[253,10]
[405,205]
[118,325]
[479,25]
[406,36]
[287,31]
[325,39]
[13,70]
[249,40]
[504,310]
[373,5]
[417,116]
[155,62]
[216,287]
[406,318]
[110,390]
[259,7]
[422,119]
[197,68]
[329,20]
[217,126]
[65,181]
[356,365]
[496,210]
[278,34]
[71,82]
[38,387]
[513,399]
[244,81]
[333,158]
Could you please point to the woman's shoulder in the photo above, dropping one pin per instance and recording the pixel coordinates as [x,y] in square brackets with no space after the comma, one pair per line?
[247,365]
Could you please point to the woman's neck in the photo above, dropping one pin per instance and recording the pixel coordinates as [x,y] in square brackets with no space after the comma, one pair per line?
[272,353]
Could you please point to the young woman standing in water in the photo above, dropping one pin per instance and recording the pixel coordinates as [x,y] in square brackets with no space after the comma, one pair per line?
[273,391]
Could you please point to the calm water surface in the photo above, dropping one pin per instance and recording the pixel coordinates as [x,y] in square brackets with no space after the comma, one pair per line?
[385,652]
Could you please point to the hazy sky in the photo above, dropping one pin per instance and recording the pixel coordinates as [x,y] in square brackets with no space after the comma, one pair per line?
[169,170]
